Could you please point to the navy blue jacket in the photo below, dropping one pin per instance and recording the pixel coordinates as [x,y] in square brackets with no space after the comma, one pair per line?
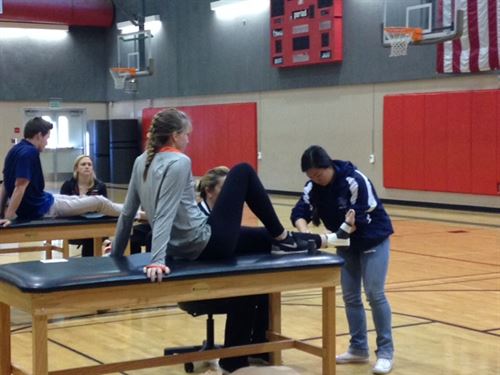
[348,189]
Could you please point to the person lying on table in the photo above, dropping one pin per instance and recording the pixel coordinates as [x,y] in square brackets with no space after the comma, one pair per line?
[162,183]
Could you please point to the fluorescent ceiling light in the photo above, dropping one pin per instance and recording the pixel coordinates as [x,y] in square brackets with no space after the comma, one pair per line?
[230,9]
[218,4]
[151,23]
[39,31]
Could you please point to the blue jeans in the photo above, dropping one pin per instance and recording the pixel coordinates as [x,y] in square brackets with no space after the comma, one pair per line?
[370,266]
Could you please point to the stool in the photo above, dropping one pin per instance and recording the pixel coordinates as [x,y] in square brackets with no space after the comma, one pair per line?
[198,308]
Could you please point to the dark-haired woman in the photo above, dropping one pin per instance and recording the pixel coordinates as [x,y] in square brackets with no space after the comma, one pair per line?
[163,185]
[334,188]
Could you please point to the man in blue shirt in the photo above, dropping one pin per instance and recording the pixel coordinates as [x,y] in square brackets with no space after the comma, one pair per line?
[24,184]
[23,176]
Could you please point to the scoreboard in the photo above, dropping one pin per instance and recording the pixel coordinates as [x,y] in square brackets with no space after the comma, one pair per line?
[305,32]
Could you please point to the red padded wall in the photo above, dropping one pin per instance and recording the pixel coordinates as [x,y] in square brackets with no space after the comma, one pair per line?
[223,134]
[443,142]
[459,142]
[498,141]
[483,150]
[413,141]
[435,161]
[393,148]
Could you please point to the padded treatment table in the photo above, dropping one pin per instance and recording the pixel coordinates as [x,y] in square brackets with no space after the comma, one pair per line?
[70,228]
[94,283]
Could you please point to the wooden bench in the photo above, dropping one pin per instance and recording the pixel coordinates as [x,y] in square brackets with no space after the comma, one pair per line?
[47,230]
[94,283]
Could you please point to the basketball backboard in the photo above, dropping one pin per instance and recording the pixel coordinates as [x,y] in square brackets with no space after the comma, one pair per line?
[439,20]
[134,60]
[134,51]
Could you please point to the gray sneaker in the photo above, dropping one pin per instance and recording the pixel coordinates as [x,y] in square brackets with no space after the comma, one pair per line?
[351,358]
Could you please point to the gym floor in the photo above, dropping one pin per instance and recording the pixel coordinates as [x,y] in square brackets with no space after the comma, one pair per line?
[443,286]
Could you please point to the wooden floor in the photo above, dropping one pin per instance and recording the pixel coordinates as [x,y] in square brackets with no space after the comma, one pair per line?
[443,286]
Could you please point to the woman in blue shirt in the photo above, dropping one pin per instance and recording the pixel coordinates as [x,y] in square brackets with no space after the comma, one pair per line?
[334,188]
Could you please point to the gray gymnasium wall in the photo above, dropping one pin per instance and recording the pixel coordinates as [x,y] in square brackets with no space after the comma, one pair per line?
[73,69]
[201,60]
[339,106]
[197,54]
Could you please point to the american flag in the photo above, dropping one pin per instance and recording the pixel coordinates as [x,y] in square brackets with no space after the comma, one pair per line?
[478,48]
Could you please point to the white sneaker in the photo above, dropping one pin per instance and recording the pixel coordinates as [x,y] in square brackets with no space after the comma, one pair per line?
[215,371]
[334,241]
[382,366]
[351,358]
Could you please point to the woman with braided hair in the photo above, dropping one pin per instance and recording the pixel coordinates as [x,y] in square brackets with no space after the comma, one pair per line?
[162,183]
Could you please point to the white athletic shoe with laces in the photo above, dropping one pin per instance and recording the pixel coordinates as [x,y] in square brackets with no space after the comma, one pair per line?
[334,240]
[341,237]
[382,366]
[351,358]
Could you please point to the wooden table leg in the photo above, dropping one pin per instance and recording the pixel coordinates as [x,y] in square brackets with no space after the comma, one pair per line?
[39,345]
[5,355]
[65,249]
[329,331]
[275,323]
[47,245]
[98,247]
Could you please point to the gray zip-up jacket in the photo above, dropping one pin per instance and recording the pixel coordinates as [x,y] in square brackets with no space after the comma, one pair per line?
[180,229]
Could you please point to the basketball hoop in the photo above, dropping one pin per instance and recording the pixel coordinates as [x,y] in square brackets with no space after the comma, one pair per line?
[400,37]
[122,75]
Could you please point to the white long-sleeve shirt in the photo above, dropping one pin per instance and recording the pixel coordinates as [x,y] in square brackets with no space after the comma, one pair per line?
[167,196]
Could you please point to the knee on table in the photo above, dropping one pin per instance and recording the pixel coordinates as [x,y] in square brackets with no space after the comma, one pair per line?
[102,200]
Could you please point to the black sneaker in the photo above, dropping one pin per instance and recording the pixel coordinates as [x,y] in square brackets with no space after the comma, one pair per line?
[288,245]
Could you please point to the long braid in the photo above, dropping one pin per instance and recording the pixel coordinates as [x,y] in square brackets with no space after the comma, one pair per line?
[150,147]
[163,126]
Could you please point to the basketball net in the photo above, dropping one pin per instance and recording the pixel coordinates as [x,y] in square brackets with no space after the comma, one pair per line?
[399,38]
[121,76]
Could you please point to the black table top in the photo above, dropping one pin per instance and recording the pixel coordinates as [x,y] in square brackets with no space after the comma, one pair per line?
[63,221]
[95,272]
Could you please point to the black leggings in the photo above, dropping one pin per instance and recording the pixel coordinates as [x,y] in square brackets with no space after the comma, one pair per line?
[242,185]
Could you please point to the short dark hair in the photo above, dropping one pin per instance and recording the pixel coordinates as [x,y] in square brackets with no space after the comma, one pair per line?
[36,125]
[315,157]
